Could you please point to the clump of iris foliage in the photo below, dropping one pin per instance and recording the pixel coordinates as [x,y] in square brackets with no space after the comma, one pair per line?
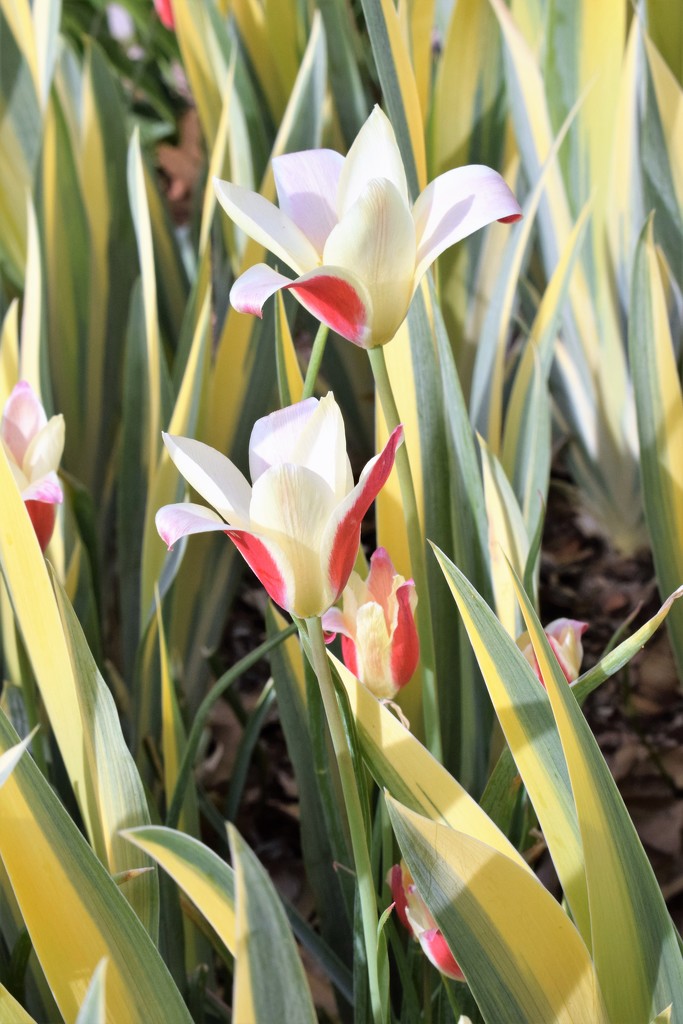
[157,376]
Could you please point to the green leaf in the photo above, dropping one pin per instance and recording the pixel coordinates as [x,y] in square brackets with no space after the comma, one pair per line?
[94,1007]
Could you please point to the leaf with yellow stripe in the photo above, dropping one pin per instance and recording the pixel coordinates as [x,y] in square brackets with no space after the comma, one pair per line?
[12,1012]
[206,879]
[521,954]
[268,971]
[527,722]
[635,946]
[10,758]
[73,910]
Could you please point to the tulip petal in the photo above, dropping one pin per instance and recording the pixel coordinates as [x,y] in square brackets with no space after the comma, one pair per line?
[273,437]
[322,447]
[252,288]
[334,621]
[307,191]
[22,418]
[405,644]
[380,581]
[291,506]
[47,489]
[43,516]
[181,520]
[456,204]
[266,224]
[373,645]
[437,951]
[213,476]
[376,242]
[374,154]
[268,563]
[45,450]
[338,298]
[342,534]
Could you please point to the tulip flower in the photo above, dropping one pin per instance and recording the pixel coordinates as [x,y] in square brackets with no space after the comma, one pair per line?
[414,915]
[34,445]
[380,644]
[164,11]
[347,228]
[564,636]
[298,525]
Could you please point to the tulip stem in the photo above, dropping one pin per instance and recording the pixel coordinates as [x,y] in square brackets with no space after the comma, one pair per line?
[354,812]
[316,359]
[423,614]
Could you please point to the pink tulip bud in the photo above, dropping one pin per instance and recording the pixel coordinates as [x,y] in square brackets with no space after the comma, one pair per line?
[380,644]
[34,445]
[414,915]
[164,11]
[564,636]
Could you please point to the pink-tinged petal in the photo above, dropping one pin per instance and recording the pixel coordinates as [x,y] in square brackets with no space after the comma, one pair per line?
[455,205]
[45,450]
[374,154]
[342,534]
[350,655]
[266,562]
[565,665]
[274,436]
[291,506]
[165,13]
[395,882]
[405,644]
[42,516]
[321,446]
[333,622]
[306,186]
[375,241]
[437,951]
[181,520]
[46,490]
[339,299]
[213,476]
[254,287]
[380,581]
[22,418]
[268,225]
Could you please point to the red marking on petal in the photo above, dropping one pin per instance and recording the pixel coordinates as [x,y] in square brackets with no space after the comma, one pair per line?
[350,655]
[441,956]
[347,537]
[557,651]
[395,881]
[405,643]
[261,562]
[43,516]
[334,301]
[512,219]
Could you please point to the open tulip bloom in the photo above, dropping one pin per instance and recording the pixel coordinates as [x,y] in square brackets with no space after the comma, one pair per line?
[298,525]
[347,228]
[34,447]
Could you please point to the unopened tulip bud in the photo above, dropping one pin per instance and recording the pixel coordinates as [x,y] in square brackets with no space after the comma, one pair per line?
[564,636]
[414,915]
[164,11]
[34,445]
[380,644]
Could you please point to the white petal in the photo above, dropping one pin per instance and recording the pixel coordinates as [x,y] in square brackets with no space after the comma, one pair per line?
[456,204]
[213,476]
[307,191]
[376,242]
[252,288]
[263,222]
[274,437]
[374,154]
[44,453]
[322,447]
[22,418]
[181,520]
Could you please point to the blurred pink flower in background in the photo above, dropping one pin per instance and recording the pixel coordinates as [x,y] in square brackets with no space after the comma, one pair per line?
[564,636]
[34,445]
[380,644]
[164,9]
[298,525]
[413,914]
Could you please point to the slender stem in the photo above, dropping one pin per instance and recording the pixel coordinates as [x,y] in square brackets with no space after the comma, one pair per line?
[418,563]
[354,812]
[219,688]
[316,359]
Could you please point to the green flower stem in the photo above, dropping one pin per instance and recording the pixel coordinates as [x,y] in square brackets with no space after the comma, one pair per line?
[316,359]
[423,613]
[354,812]
[219,688]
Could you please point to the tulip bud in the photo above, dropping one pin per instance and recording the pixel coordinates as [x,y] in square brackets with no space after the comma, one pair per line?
[414,915]
[34,445]
[564,636]
[380,644]
[164,11]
